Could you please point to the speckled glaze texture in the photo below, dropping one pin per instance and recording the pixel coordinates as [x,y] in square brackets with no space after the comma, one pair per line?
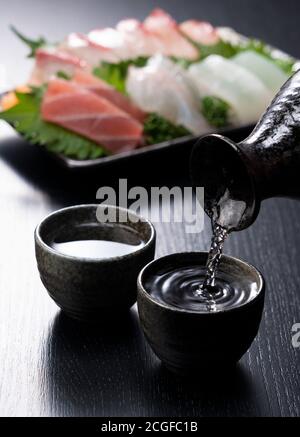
[267,162]
[273,148]
[188,342]
[89,289]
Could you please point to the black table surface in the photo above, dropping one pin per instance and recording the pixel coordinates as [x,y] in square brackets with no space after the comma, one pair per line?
[52,366]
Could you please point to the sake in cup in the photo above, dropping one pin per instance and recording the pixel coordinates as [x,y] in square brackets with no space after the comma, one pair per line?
[188,338]
[89,286]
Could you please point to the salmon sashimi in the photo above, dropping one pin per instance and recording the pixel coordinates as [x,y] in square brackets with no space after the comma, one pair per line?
[102,89]
[90,51]
[200,31]
[49,61]
[164,27]
[81,111]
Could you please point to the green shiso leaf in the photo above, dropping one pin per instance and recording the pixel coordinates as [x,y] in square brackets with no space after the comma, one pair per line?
[222,48]
[63,75]
[216,111]
[31,43]
[26,119]
[115,74]
[184,63]
[157,129]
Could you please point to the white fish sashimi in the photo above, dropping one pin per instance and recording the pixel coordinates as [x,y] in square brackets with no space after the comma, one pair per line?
[163,87]
[229,35]
[128,40]
[49,61]
[114,41]
[201,32]
[159,33]
[268,72]
[88,49]
[140,42]
[161,25]
[246,94]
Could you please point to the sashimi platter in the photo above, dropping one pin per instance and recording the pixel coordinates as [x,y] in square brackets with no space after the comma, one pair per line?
[122,90]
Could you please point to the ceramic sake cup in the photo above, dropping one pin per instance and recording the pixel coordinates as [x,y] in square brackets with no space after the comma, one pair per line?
[187,341]
[92,289]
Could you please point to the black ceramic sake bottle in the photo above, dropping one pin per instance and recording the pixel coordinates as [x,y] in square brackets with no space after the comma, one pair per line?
[237,177]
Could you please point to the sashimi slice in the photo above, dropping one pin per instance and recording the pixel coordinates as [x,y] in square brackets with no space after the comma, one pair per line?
[90,51]
[128,25]
[268,72]
[229,35]
[52,60]
[159,33]
[102,89]
[91,116]
[128,40]
[162,87]
[139,41]
[246,94]
[113,40]
[165,28]
[201,32]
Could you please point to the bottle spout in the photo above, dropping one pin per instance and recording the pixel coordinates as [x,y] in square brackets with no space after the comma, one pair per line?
[220,166]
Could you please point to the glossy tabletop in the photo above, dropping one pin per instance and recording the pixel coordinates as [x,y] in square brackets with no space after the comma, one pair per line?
[53,366]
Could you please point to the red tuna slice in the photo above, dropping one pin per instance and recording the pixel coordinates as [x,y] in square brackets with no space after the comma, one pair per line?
[91,116]
[102,89]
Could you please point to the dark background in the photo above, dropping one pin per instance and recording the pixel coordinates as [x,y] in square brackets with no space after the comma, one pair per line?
[52,366]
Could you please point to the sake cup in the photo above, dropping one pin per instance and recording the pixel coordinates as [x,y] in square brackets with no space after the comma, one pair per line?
[85,288]
[188,341]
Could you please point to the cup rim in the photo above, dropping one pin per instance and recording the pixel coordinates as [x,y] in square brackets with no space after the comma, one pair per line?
[164,305]
[40,241]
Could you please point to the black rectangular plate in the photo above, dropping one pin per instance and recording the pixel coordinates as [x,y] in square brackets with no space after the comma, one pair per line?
[183,144]
[168,149]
